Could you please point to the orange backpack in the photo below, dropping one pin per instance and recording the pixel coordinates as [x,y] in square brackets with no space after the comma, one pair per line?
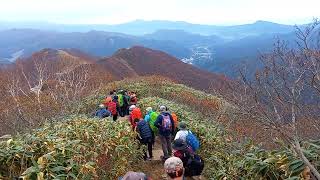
[175,119]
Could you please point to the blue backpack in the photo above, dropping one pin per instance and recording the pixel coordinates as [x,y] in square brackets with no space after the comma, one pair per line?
[193,141]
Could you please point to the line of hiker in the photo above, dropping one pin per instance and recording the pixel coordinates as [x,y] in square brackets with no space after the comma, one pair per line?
[176,140]
[116,104]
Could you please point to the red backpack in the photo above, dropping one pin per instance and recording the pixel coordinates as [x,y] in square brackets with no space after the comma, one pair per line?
[112,107]
[136,114]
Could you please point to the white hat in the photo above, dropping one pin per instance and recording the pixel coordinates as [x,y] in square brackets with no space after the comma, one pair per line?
[173,164]
[101,106]
[163,108]
[149,109]
[132,107]
[134,176]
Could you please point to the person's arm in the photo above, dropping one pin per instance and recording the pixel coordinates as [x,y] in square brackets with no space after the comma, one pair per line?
[136,129]
[158,122]
[147,118]
[177,135]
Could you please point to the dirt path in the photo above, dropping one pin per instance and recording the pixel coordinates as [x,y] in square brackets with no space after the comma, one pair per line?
[153,168]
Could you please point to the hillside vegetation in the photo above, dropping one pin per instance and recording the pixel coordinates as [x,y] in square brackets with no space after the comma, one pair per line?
[81,147]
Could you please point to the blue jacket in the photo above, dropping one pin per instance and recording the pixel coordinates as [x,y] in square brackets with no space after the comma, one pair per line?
[147,117]
[102,113]
[144,129]
[158,124]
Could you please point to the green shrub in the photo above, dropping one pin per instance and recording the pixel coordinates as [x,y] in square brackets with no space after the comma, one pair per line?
[225,158]
[78,148]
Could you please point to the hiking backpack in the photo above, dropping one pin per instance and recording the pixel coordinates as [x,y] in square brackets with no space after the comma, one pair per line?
[120,100]
[166,123]
[194,166]
[153,119]
[192,141]
[175,119]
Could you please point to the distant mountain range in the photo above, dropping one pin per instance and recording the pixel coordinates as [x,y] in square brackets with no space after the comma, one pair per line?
[141,27]
[214,48]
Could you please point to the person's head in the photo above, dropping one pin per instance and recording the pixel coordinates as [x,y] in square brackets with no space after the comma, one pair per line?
[163,108]
[182,126]
[149,109]
[131,108]
[179,145]
[111,92]
[174,168]
[134,176]
[101,106]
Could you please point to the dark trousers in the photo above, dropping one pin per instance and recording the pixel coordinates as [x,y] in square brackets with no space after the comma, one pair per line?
[166,146]
[148,143]
[115,117]
[122,111]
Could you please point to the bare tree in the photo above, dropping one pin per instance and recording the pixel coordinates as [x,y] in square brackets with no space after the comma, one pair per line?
[284,94]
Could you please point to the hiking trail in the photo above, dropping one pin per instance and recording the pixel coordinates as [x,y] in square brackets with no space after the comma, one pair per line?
[153,168]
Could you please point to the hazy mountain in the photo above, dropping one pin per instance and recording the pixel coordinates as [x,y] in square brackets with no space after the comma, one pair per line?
[140,27]
[97,43]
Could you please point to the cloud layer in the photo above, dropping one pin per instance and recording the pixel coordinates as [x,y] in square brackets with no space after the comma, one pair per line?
[195,11]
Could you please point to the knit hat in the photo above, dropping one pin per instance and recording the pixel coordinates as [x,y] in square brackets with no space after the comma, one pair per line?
[134,176]
[173,164]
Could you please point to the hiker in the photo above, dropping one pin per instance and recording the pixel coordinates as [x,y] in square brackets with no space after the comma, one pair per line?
[112,107]
[135,176]
[102,112]
[121,102]
[151,118]
[192,162]
[108,98]
[183,132]
[187,136]
[174,168]
[135,113]
[126,103]
[165,125]
[133,99]
[145,136]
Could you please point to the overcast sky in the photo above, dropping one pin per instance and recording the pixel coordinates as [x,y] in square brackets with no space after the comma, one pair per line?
[220,12]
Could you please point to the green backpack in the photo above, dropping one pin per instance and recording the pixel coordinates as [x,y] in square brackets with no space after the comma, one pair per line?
[153,118]
[120,100]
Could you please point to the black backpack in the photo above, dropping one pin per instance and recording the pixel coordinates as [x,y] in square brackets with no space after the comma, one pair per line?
[194,165]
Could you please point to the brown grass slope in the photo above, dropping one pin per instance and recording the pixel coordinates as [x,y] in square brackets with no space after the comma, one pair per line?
[143,62]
